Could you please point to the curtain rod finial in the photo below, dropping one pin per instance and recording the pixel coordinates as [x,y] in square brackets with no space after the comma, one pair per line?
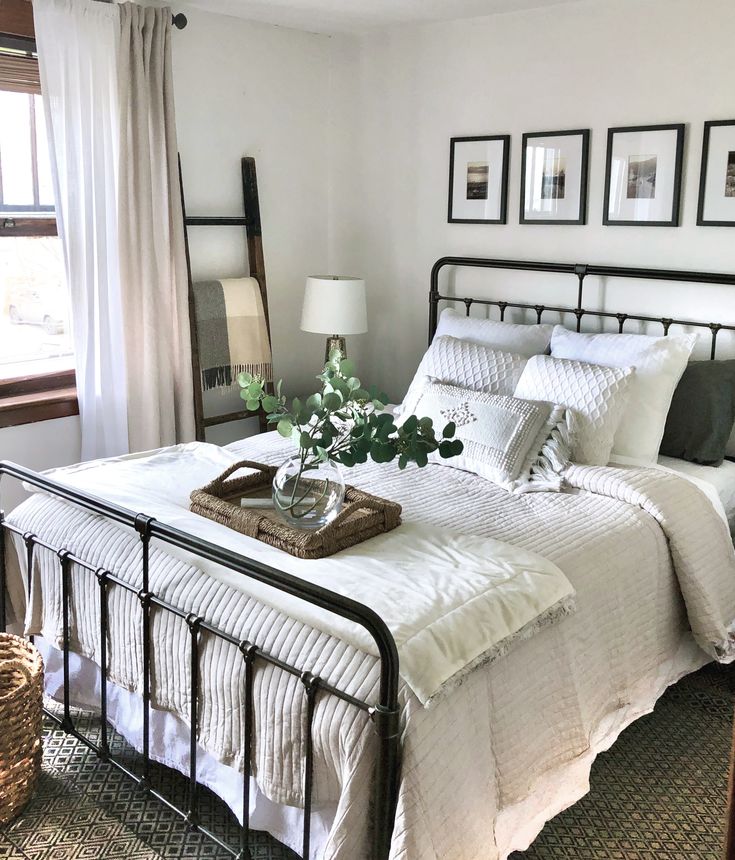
[179,21]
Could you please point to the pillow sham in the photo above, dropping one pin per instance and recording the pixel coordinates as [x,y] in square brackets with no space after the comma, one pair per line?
[659,363]
[467,364]
[702,413]
[596,397]
[520,445]
[525,340]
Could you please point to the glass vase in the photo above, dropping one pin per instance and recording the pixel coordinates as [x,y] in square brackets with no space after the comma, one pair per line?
[308,497]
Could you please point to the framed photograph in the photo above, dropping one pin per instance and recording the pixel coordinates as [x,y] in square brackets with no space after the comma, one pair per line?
[478,180]
[643,175]
[717,180]
[554,177]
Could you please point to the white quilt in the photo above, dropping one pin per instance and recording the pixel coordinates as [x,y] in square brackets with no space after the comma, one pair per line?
[450,600]
[513,745]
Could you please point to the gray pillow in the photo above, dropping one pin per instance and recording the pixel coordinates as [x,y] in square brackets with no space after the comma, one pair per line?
[702,413]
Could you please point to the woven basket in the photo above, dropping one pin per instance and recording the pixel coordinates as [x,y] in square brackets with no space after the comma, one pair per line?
[362,516]
[21,696]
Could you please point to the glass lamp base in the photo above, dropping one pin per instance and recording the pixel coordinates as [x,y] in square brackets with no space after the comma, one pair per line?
[336,342]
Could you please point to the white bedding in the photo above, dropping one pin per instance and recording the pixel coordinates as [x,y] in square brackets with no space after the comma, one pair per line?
[717,481]
[450,600]
[512,746]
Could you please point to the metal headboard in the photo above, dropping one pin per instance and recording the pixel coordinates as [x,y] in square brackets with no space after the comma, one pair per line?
[581,271]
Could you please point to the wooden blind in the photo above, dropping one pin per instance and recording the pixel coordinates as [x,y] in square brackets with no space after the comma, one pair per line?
[19,73]
[18,67]
[16,18]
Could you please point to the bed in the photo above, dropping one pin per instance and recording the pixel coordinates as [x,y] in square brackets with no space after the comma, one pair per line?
[324,743]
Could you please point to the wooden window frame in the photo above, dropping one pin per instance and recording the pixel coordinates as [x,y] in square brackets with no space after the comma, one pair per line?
[33,397]
[40,397]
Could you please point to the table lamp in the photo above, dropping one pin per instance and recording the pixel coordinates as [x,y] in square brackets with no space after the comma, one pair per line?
[334,305]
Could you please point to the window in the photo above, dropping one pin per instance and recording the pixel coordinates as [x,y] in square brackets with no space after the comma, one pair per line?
[36,358]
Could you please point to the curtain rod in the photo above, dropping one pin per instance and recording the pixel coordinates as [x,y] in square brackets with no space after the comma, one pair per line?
[179,21]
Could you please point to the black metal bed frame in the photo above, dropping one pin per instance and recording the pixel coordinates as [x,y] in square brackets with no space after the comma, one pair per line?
[384,713]
[581,271]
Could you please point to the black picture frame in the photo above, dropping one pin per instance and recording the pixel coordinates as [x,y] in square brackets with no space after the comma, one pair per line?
[503,219]
[581,218]
[701,220]
[674,221]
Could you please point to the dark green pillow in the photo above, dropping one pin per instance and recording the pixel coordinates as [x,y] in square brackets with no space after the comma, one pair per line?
[702,413]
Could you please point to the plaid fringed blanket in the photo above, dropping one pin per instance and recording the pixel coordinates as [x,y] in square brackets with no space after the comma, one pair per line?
[231,330]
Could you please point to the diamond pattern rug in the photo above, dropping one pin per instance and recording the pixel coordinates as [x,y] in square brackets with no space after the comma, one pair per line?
[659,793]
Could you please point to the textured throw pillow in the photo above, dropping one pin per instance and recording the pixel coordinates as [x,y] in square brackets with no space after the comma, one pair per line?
[519,444]
[523,339]
[702,413]
[467,364]
[659,363]
[596,397]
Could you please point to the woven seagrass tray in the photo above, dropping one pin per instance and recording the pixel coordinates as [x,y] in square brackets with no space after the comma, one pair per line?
[362,516]
[21,697]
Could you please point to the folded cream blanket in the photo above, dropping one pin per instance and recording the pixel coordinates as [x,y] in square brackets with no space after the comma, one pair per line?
[231,331]
[451,601]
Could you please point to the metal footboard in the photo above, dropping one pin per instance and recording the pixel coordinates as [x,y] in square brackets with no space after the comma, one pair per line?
[384,713]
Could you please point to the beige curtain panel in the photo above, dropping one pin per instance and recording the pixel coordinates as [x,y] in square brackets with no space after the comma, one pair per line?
[153,273]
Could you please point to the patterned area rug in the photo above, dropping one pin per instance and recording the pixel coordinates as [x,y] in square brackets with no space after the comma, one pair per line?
[659,793]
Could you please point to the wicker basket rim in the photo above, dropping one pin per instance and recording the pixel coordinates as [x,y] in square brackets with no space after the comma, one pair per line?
[15,665]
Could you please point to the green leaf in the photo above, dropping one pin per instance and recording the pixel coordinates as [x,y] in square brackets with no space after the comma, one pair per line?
[449,430]
[253,405]
[270,403]
[295,406]
[244,379]
[254,389]
[402,461]
[305,441]
[347,367]
[285,427]
[314,401]
[332,401]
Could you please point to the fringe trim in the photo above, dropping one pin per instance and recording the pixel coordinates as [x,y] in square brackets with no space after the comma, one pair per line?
[548,468]
[226,374]
[723,652]
[561,609]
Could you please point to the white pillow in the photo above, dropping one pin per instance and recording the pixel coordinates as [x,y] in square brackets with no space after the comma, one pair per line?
[659,363]
[518,444]
[525,340]
[470,365]
[596,397]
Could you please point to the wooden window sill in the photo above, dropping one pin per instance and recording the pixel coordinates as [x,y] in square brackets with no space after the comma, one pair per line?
[29,399]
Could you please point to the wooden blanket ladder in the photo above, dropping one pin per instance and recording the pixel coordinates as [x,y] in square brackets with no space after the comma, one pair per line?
[250,220]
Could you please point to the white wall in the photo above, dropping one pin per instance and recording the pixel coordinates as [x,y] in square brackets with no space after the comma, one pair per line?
[244,88]
[580,65]
[38,446]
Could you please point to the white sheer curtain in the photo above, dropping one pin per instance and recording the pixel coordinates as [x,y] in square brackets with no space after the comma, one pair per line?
[107,84]
[78,47]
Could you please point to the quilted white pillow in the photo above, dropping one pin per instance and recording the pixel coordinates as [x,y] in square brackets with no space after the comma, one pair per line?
[659,363]
[520,445]
[522,339]
[471,365]
[596,396]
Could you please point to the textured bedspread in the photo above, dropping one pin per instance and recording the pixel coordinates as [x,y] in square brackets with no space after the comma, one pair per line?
[630,541]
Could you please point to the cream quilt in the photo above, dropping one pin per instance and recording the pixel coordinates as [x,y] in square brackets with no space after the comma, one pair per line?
[631,542]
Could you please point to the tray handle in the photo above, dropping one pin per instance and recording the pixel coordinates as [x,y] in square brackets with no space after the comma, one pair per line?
[241,464]
[348,509]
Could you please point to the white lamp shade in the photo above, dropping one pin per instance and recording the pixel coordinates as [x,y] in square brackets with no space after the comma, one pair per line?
[334,305]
